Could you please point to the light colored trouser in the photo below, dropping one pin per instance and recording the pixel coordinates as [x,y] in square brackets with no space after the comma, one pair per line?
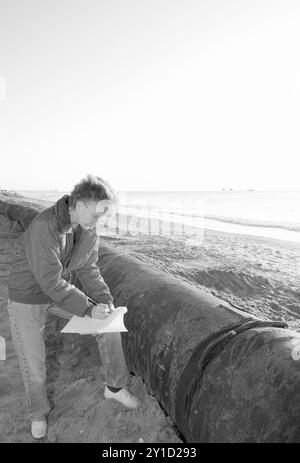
[28,322]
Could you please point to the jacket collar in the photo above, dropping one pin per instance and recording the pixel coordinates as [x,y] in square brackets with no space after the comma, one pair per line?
[61,208]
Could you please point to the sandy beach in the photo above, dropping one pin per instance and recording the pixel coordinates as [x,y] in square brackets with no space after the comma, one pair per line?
[258,275]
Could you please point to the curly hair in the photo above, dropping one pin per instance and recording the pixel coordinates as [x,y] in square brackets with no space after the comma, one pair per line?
[92,188]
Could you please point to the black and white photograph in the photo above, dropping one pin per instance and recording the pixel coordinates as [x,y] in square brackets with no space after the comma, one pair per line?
[149,224]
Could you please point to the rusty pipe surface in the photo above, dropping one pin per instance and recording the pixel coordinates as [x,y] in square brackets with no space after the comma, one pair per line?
[222,375]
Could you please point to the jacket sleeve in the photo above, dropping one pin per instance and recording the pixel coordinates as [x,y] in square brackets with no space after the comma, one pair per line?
[43,251]
[91,278]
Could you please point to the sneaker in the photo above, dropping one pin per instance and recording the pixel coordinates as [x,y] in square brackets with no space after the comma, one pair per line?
[123,396]
[39,429]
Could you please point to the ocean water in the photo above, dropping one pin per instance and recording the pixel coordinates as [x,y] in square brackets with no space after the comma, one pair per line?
[274,214]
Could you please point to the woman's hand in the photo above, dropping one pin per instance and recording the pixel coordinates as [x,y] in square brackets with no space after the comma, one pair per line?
[111,307]
[100,311]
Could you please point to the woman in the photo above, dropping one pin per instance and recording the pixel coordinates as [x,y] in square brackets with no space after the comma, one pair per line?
[61,242]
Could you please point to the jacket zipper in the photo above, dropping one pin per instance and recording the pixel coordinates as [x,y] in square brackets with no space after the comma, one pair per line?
[75,247]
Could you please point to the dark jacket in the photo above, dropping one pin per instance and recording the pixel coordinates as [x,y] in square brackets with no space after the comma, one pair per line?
[45,257]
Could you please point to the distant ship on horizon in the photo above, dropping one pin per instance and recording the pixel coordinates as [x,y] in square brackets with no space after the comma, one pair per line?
[232,189]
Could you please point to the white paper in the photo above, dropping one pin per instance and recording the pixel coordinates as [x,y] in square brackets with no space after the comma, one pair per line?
[114,323]
[2,348]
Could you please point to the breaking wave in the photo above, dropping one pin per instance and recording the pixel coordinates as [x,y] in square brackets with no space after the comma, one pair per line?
[165,214]
[256,223]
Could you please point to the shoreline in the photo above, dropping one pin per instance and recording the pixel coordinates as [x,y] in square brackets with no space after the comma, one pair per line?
[42,203]
[281,231]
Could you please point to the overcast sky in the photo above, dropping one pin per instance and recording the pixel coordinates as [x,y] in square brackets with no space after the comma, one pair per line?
[150,94]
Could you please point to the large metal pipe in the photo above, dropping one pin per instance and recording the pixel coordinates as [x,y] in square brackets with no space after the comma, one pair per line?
[221,374]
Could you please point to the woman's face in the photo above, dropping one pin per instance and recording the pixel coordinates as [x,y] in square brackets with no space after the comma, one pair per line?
[89,212]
